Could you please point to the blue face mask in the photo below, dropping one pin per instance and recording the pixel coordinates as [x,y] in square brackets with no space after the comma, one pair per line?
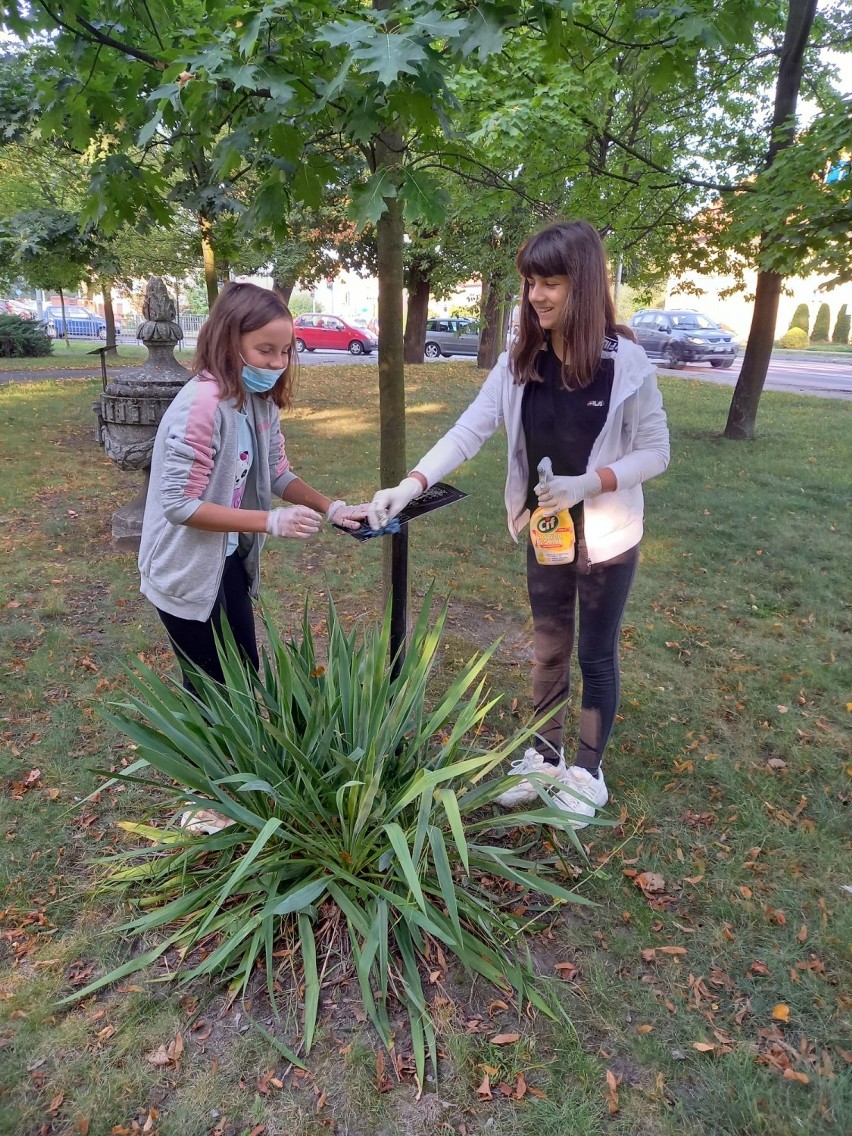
[258,380]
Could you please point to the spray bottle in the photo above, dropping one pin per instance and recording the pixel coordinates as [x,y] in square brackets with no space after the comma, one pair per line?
[552,533]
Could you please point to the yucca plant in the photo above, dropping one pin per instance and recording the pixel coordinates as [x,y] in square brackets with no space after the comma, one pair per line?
[357,810]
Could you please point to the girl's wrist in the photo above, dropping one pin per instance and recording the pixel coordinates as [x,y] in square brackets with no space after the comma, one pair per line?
[418,476]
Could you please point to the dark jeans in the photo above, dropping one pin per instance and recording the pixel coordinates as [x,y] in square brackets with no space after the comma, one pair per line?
[193,639]
[600,592]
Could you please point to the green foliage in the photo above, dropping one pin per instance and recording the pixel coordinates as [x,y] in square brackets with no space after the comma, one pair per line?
[21,338]
[360,814]
[302,302]
[842,326]
[795,337]
[801,318]
[195,301]
[822,325]
[46,246]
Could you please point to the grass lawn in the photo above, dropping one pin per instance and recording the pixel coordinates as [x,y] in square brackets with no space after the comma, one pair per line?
[78,356]
[708,990]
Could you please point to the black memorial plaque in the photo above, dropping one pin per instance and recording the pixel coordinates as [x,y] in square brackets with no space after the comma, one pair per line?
[435,497]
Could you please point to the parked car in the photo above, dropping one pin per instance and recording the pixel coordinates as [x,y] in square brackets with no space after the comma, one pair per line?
[681,337]
[451,336]
[17,308]
[82,323]
[321,332]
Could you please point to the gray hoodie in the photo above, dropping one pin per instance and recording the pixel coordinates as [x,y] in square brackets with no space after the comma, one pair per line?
[193,461]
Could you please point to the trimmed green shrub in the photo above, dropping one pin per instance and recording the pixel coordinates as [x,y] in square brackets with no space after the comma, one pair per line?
[841,328]
[20,338]
[795,337]
[356,825]
[801,318]
[822,325]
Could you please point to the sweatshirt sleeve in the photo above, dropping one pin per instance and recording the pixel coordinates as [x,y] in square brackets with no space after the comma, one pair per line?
[472,429]
[280,473]
[190,434]
[650,451]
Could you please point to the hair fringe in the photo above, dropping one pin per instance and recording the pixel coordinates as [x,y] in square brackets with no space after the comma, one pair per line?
[573,249]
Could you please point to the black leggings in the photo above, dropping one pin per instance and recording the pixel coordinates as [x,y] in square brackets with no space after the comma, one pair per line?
[193,639]
[602,591]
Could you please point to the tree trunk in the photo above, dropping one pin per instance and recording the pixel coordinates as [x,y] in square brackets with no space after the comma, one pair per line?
[742,414]
[109,314]
[416,315]
[389,244]
[489,336]
[283,289]
[209,258]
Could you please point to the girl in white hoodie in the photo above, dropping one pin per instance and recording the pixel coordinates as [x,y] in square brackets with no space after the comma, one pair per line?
[576,388]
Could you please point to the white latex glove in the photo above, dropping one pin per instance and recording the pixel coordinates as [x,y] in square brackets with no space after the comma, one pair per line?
[346,516]
[565,492]
[388,502]
[293,521]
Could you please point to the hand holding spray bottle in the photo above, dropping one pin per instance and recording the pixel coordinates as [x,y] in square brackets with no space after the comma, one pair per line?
[552,533]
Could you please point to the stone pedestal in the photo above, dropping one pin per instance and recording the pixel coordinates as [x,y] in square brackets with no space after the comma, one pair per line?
[131,408]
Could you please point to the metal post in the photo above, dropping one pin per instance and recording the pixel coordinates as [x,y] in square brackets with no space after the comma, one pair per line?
[399,599]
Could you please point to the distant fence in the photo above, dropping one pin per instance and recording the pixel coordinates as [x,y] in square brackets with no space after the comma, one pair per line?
[190,325]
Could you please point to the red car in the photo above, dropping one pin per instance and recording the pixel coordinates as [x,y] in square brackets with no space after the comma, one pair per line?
[321,332]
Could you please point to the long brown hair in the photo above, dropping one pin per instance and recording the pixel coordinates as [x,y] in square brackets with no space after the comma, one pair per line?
[572,249]
[240,308]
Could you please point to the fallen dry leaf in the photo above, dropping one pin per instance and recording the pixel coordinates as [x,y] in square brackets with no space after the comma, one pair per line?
[567,970]
[703,1046]
[650,883]
[165,1055]
[781,1013]
[505,1038]
[484,1090]
[792,1075]
[612,1083]
[159,1056]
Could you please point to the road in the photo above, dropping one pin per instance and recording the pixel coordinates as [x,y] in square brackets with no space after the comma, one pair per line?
[822,377]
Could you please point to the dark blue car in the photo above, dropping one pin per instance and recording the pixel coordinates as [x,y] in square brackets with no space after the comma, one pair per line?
[82,323]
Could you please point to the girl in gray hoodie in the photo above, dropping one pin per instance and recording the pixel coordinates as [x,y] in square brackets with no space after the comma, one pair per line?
[218,459]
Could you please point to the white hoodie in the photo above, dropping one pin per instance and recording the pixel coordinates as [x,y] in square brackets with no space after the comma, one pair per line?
[634,444]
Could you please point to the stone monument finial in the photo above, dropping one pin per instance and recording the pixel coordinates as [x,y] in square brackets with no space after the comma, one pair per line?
[131,407]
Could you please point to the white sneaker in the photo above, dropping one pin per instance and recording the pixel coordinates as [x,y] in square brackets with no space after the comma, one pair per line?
[591,788]
[531,762]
